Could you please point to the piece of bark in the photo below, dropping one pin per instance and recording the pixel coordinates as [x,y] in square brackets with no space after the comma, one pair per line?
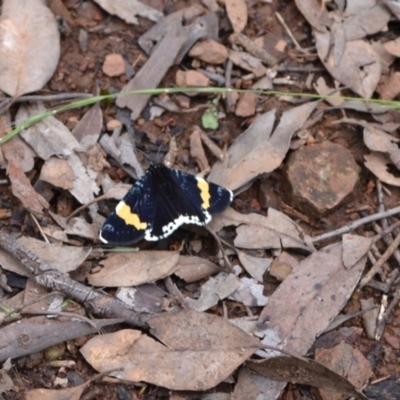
[170,50]
[151,74]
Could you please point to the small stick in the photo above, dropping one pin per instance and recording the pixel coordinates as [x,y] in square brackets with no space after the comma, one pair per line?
[40,228]
[288,31]
[378,265]
[355,224]
[253,49]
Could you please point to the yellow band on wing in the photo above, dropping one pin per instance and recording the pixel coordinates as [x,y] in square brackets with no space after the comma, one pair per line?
[204,192]
[124,211]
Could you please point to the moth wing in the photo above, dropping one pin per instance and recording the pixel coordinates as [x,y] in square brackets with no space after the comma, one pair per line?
[133,215]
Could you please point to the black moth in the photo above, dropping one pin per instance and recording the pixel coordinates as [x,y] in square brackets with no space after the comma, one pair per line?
[161,201]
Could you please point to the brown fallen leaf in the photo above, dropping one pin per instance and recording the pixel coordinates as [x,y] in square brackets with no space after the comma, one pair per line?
[22,189]
[309,298]
[258,150]
[354,249]
[359,67]
[88,130]
[192,269]
[255,266]
[73,393]
[132,269]
[251,385]
[304,371]
[215,289]
[237,14]
[58,172]
[346,361]
[378,164]
[128,10]
[197,150]
[256,231]
[196,351]
[29,46]
[147,298]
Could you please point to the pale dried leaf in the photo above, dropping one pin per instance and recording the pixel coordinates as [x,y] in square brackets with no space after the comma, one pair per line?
[18,151]
[58,172]
[316,15]
[379,141]
[354,249]
[132,269]
[256,231]
[251,385]
[22,189]
[79,227]
[306,372]
[359,68]
[29,46]
[237,14]
[248,62]
[88,130]
[255,266]
[147,298]
[198,351]
[214,290]
[250,293]
[49,137]
[73,393]
[256,151]
[305,302]
[362,18]
[378,164]
[394,6]
[346,361]
[128,9]
[193,269]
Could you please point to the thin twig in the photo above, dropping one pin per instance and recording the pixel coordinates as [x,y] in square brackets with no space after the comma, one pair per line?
[68,315]
[288,31]
[40,228]
[378,265]
[355,224]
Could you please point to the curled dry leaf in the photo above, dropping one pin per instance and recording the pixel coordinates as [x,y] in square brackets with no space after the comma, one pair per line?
[128,9]
[192,269]
[379,141]
[251,385]
[378,164]
[258,232]
[29,46]
[51,137]
[214,290]
[258,150]
[255,266]
[132,269]
[306,302]
[359,67]
[197,351]
[305,371]
[79,227]
[237,14]
[354,249]
[147,298]
[88,130]
[22,189]
[73,393]
[58,172]
[249,293]
[348,363]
